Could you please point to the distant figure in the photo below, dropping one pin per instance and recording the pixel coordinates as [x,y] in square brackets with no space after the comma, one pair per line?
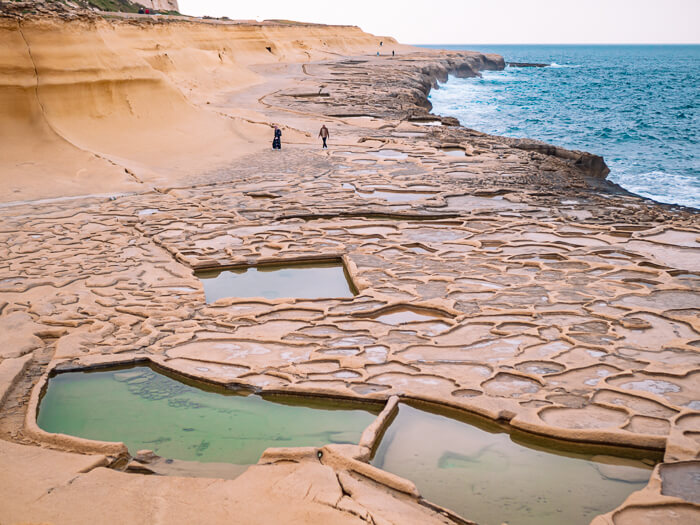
[141,11]
[381,44]
[277,141]
[324,134]
[148,11]
[393,53]
[377,53]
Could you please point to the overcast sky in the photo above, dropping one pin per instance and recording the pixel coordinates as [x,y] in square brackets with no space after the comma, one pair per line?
[483,21]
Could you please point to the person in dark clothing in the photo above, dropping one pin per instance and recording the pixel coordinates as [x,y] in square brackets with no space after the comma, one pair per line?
[324,134]
[277,141]
[141,11]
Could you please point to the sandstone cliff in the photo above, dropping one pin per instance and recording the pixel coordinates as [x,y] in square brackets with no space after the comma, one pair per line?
[161,5]
[93,105]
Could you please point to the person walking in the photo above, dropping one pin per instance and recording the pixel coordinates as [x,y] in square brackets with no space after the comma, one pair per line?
[277,140]
[324,134]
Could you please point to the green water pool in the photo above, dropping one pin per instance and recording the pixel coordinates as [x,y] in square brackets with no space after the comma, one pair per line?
[483,474]
[178,419]
[303,281]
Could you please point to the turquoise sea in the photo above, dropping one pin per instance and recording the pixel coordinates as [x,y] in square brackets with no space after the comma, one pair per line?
[638,106]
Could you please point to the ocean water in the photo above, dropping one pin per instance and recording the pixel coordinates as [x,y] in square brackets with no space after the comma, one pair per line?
[637,106]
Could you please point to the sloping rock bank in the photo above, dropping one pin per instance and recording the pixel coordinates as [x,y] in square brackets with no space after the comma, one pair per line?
[106,104]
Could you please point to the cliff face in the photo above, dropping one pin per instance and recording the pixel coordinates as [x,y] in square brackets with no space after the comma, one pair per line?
[81,6]
[161,5]
[85,99]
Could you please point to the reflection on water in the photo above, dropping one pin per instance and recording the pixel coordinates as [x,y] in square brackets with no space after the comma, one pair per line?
[483,475]
[190,421]
[304,281]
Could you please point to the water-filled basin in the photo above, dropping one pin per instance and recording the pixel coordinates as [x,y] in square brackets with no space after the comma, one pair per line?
[455,152]
[304,281]
[390,154]
[187,420]
[489,476]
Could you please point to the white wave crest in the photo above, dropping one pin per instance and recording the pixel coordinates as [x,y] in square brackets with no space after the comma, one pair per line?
[554,65]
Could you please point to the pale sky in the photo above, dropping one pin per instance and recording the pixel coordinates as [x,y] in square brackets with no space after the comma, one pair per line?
[483,21]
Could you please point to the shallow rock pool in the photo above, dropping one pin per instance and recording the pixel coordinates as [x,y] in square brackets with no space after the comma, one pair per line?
[192,421]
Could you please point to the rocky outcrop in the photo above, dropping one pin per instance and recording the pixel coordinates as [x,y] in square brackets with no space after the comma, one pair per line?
[527,64]
[81,8]
[396,88]
[161,5]
[593,165]
[39,9]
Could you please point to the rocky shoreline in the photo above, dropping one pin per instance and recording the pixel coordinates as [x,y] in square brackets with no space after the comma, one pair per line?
[534,297]
[416,78]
